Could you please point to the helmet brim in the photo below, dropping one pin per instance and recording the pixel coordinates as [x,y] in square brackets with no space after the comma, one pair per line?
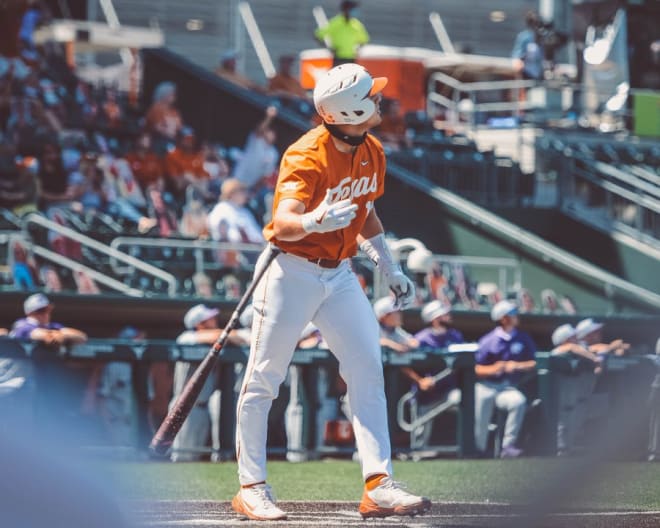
[378,85]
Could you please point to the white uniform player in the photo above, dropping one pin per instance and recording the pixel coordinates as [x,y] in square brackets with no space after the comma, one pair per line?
[323,206]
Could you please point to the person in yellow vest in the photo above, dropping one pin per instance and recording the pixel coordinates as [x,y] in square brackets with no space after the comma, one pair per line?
[344,34]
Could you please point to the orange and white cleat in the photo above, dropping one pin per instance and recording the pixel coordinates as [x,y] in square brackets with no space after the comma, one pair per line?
[257,503]
[388,498]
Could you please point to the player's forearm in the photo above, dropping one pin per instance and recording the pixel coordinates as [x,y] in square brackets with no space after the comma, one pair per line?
[72,335]
[288,227]
[372,227]
[485,371]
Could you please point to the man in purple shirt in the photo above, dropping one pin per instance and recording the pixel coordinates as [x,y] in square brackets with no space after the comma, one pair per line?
[503,355]
[37,324]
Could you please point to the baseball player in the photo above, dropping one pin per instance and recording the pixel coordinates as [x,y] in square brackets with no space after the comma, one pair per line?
[201,328]
[504,353]
[322,209]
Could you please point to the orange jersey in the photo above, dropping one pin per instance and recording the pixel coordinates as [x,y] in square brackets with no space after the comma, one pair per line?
[310,167]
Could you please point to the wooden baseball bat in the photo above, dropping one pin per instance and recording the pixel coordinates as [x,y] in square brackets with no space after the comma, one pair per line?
[162,440]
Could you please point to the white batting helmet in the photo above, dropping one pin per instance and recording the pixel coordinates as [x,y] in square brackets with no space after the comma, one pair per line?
[342,94]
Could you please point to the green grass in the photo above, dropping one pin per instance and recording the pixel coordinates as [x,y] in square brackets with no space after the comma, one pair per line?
[618,485]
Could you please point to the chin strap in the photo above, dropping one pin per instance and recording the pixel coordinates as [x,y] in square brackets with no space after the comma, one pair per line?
[354,141]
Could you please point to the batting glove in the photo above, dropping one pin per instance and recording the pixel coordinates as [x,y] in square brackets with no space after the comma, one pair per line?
[400,285]
[329,216]
[402,288]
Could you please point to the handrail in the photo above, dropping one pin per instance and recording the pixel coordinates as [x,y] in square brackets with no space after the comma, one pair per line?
[77,266]
[632,179]
[548,253]
[647,202]
[257,39]
[102,248]
[441,33]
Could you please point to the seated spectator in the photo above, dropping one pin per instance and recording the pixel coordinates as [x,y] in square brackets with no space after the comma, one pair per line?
[24,268]
[259,157]
[525,301]
[574,388]
[163,118]
[184,165]
[146,166]
[163,212]
[37,324]
[194,222]
[111,111]
[18,182]
[589,333]
[201,329]
[228,71]
[504,354]
[230,220]
[53,179]
[125,197]
[284,83]
[550,302]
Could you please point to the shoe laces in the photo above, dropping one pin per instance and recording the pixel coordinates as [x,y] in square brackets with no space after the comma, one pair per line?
[390,484]
[264,493]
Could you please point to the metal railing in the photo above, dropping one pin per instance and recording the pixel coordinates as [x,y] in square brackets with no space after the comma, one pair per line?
[593,199]
[131,262]
[68,263]
[200,248]
[471,91]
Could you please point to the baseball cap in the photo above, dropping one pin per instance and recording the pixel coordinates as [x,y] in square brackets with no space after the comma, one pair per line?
[198,314]
[434,309]
[384,306]
[586,326]
[562,334]
[503,308]
[35,302]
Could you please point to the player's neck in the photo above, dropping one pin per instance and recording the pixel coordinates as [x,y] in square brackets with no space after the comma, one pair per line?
[354,136]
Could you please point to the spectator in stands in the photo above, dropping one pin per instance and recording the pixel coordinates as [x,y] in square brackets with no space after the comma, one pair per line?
[589,333]
[184,165]
[259,157]
[344,34]
[284,83]
[230,220]
[24,268]
[228,71]
[163,212]
[432,391]
[125,197]
[111,111]
[504,354]
[115,397]
[163,119]
[549,301]
[18,182]
[392,129]
[201,329]
[53,179]
[525,301]
[573,397]
[37,324]
[437,283]
[147,167]
[527,52]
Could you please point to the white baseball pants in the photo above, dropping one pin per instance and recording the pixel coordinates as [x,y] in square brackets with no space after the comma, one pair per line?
[293,292]
[488,395]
